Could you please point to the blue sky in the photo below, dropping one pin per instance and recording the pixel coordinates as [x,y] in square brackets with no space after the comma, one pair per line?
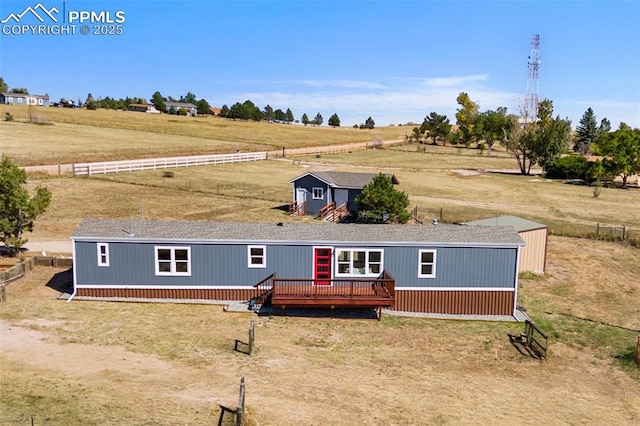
[395,61]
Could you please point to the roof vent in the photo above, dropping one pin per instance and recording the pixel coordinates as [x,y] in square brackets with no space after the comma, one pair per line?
[434,222]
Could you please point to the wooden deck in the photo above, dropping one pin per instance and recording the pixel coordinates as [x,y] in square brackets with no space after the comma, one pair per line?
[302,292]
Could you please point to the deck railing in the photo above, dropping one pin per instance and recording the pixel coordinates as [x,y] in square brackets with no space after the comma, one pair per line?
[336,214]
[297,209]
[384,286]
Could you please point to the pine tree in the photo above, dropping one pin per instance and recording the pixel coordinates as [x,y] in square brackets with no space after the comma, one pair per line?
[334,120]
[380,202]
[586,133]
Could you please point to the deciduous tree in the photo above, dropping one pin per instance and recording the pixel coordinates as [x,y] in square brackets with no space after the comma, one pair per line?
[489,125]
[18,209]
[539,142]
[622,152]
[466,118]
[380,202]
[3,86]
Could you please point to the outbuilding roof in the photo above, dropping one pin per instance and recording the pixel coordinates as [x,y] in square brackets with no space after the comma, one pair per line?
[287,233]
[345,179]
[518,223]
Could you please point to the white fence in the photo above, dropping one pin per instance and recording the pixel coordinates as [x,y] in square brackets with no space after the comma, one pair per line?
[164,163]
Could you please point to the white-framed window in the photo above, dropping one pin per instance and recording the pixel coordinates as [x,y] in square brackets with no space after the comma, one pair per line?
[426,263]
[173,260]
[19,100]
[257,256]
[40,102]
[359,262]
[103,254]
[318,193]
[10,99]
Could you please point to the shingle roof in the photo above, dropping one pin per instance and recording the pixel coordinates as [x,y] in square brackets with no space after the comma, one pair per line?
[518,223]
[152,230]
[170,104]
[346,179]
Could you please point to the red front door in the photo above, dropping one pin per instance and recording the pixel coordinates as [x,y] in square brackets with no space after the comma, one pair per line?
[322,266]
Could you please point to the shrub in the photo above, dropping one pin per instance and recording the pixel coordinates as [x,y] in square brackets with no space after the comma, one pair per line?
[8,116]
[569,167]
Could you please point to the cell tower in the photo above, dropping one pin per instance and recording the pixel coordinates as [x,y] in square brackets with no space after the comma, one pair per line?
[531,96]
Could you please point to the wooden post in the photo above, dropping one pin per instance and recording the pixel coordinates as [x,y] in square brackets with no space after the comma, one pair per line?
[251,336]
[638,352]
[283,152]
[240,409]
[597,230]
[3,293]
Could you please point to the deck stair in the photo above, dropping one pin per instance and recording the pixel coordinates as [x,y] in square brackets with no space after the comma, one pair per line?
[297,209]
[331,213]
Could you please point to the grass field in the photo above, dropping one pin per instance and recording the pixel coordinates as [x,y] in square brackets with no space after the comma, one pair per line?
[79,135]
[435,182]
[171,364]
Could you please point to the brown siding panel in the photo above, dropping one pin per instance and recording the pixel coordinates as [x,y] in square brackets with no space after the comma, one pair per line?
[183,294]
[455,302]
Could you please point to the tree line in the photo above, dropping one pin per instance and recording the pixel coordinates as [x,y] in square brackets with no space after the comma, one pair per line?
[544,140]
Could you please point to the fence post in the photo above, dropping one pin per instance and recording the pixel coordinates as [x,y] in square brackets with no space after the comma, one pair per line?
[251,336]
[597,230]
[624,232]
[240,410]
[638,352]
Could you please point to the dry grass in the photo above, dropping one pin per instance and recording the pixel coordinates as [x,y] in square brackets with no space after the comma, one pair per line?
[79,135]
[259,192]
[128,363]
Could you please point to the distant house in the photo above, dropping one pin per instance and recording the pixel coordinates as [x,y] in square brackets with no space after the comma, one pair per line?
[533,257]
[149,108]
[214,111]
[192,110]
[24,99]
[442,269]
[314,191]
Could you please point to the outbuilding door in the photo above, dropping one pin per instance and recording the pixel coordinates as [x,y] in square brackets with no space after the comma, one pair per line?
[322,265]
[301,195]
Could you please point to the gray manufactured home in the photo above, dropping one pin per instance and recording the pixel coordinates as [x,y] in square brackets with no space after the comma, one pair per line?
[446,269]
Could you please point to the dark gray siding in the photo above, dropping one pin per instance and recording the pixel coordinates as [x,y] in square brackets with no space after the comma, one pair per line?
[132,264]
[351,204]
[309,182]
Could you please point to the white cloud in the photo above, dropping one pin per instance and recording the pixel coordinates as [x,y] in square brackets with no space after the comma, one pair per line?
[391,101]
